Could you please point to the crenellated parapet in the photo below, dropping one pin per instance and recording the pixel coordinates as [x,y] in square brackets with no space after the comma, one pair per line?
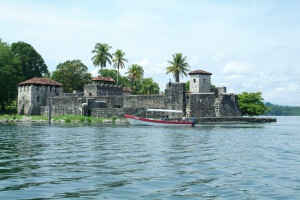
[92,90]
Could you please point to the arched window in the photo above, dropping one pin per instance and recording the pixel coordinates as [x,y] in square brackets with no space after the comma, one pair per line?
[38,99]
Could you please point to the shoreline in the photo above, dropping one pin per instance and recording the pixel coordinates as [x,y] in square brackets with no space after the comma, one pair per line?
[115,120]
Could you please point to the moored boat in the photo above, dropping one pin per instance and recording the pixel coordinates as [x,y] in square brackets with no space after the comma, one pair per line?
[134,120]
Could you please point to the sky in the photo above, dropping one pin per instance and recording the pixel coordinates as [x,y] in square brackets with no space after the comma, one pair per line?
[249,46]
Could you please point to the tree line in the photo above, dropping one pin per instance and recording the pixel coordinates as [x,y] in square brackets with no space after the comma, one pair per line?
[20,61]
[277,110]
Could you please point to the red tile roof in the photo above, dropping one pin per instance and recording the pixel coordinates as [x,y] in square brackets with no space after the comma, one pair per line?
[41,81]
[125,89]
[200,72]
[103,78]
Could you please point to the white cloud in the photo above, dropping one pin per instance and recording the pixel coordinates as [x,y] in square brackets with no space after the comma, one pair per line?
[236,67]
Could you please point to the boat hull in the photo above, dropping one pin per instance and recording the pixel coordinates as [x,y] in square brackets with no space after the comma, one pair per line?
[133,120]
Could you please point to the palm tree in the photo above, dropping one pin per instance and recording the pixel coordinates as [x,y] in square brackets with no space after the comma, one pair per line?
[135,72]
[178,66]
[149,87]
[119,61]
[102,55]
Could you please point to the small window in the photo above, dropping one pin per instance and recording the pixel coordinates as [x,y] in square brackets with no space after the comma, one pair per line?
[204,80]
[194,80]
[38,99]
[90,94]
[50,88]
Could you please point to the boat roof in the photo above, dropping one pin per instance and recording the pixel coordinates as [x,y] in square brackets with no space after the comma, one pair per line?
[163,110]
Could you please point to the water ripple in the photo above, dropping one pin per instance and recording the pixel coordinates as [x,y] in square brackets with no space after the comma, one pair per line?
[38,161]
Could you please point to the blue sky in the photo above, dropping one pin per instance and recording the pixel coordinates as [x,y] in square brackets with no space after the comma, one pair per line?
[247,45]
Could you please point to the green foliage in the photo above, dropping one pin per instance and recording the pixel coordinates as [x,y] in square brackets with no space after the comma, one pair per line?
[135,72]
[102,55]
[119,61]
[113,74]
[68,119]
[278,110]
[187,86]
[32,63]
[72,74]
[252,103]
[114,118]
[178,66]
[148,86]
[89,120]
[82,119]
[10,75]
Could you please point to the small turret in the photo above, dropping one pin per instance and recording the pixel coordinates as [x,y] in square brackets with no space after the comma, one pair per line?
[200,81]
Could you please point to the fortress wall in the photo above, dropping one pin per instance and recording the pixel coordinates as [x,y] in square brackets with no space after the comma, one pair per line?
[228,106]
[144,101]
[175,97]
[116,101]
[120,112]
[64,106]
[93,90]
[201,105]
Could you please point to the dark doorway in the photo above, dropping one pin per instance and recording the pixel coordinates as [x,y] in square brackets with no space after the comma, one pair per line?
[89,112]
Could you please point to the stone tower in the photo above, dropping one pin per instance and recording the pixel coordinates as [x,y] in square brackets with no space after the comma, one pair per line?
[175,97]
[200,81]
[32,94]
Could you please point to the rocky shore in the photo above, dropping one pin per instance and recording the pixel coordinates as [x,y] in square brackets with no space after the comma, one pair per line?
[30,119]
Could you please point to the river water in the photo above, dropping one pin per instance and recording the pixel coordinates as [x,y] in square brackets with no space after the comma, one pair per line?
[240,161]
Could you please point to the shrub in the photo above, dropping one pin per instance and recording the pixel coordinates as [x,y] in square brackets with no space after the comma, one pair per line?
[82,119]
[68,119]
[114,118]
[89,120]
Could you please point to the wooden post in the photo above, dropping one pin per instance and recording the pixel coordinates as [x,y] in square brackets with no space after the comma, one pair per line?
[49,113]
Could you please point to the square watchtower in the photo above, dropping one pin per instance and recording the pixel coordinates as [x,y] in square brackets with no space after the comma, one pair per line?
[200,81]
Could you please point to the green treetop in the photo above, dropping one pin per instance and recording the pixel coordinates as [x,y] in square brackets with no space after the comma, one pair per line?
[72,74]
[10,75]
[119,61]
[32,63]
[135,72]
[102,55]
[178,66]
[252,103]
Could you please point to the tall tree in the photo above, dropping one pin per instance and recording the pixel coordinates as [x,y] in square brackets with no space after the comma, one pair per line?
[135,72]
[114,74]
[9,75]
[149,87]
[72,74]
[252,103]
[178,66]
[32,63]
[102,55]
[119,61]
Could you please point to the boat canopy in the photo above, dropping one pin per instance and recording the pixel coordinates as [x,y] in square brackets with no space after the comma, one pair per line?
[163,110]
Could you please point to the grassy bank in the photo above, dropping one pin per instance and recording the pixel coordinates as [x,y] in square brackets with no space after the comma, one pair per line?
[63,118]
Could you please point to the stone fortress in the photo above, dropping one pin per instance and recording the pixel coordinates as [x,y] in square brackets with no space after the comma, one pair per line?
[101,99]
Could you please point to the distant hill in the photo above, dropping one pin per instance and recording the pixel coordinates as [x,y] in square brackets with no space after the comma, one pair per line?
[278,110]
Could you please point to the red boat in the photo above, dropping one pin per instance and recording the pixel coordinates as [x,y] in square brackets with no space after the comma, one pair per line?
[134,120]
